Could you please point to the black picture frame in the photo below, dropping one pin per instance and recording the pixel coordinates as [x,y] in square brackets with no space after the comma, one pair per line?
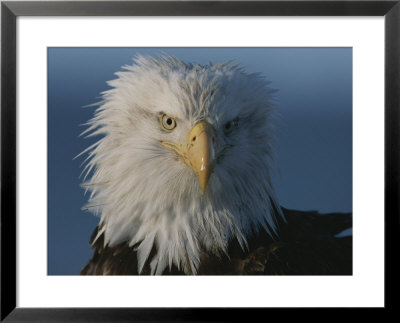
[10,10]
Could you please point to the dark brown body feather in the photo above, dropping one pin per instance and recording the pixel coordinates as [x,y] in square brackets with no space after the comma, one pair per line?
[306,246]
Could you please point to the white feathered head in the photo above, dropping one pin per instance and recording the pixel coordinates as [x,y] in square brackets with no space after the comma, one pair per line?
[183,164]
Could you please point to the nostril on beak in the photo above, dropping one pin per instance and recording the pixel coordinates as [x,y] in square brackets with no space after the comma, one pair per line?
[194,139]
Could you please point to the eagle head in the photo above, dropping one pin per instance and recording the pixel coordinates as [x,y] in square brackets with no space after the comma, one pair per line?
[183,163]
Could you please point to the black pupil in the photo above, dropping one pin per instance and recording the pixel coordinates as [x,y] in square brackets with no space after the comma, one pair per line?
[169,121]
[228,126]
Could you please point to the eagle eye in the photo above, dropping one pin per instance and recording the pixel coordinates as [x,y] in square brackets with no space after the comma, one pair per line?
[168,123]
[229,126]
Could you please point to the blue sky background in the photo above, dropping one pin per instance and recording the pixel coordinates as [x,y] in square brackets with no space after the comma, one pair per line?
[313,147]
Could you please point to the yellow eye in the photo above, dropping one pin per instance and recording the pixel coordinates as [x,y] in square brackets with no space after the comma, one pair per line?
[168,123]
[228,127]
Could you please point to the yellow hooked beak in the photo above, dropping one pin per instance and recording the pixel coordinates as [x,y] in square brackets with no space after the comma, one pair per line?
[198,152]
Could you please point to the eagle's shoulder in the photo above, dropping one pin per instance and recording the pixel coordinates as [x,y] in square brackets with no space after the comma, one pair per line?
[117,260]
[307,245]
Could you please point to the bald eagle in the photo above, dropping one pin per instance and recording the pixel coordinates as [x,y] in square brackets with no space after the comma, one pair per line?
[181,179]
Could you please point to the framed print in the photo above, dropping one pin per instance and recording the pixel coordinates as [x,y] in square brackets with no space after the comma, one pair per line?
[196,99]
